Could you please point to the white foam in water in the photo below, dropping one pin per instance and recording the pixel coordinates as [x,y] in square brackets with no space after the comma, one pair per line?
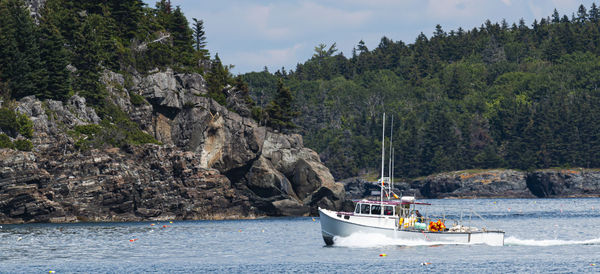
[516,241]
[365,240]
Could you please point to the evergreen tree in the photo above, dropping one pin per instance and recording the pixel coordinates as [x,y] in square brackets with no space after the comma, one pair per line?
[182,37]
[92,48]
[216,80]
[582,15]
[20,64]
[439,32]
[127,15]
[555,17]
[55,58]
[199,36]
[362,48]
[594,13]
[280,111]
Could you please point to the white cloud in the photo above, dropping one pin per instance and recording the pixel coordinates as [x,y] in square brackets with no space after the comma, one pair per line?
[308,17]
[283,20]
[445,9]
[507,2]
[273,58]
[259,18]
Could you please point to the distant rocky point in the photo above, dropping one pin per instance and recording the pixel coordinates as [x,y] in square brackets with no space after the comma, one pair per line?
[498,183]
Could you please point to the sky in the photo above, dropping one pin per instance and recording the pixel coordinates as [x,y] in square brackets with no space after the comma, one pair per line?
[252,34]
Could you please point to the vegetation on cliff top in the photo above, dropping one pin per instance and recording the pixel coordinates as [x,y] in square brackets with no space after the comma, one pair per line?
[498,96]
[73,42]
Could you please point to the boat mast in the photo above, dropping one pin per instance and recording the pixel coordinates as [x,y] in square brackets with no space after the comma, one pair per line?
[382,159]
[389,193]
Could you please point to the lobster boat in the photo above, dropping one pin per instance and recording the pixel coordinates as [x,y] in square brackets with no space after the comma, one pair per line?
[398,218]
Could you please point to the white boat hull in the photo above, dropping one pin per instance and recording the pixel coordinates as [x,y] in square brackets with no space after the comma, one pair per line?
[336,224]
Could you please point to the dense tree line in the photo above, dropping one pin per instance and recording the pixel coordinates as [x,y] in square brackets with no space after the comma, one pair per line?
[65,49]
[498,96]
[89,37]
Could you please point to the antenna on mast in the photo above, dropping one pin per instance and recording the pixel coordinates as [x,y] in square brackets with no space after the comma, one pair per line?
[392,178]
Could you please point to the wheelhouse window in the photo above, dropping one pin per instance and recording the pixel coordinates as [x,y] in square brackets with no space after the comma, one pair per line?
[357,209]
[388,210]
[375,210]
[365,209]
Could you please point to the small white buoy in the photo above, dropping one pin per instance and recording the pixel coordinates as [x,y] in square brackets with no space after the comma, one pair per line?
[20,238]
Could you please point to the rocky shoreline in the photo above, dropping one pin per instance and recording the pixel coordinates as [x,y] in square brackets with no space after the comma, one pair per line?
[212,163]
[550,183]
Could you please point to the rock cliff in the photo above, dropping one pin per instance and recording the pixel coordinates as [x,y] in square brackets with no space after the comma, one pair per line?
[564,183]
[212,163]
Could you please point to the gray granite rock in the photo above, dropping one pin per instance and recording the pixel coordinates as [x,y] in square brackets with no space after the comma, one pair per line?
[213,163]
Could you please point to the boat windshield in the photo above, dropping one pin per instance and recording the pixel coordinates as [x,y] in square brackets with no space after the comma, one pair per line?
[365,209]
[375,209]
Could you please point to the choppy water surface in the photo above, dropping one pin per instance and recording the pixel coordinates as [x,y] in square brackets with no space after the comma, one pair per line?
[551,235]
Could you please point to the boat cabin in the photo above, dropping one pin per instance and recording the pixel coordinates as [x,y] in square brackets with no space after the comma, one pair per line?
[402,208]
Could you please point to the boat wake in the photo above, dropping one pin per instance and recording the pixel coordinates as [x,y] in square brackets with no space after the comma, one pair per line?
[515,241]
[365,240]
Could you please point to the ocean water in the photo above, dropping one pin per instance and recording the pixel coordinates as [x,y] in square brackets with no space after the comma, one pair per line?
[542,236]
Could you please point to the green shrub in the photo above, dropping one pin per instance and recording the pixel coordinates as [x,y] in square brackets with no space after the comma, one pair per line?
[82,144]
[90,129]
[15,123]
[25,125]
[115,129]
[218,96]
[139,137]
[8,121]
[23,145]
[5,141]
[136,99]
[189,105]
